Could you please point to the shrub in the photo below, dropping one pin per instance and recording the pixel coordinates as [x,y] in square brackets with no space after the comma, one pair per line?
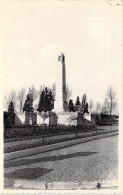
[28,130]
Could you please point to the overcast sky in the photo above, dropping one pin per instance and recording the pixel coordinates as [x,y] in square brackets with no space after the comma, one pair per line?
[36,32]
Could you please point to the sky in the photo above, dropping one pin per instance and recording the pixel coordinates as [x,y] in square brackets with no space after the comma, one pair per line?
[34,33]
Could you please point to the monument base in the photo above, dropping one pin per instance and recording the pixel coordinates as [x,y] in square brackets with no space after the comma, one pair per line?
[63,118]
[66,118]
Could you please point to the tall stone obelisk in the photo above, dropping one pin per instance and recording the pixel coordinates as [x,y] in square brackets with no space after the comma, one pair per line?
[60,100]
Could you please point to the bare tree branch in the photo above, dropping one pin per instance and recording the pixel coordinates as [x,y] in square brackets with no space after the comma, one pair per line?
[91,105]
[21,97]
[114,106]
[68,92]
[6,103]
[34,92]
[13,97]
[98,107]
[53,89]
[105,107]
[111,97]
[41,89]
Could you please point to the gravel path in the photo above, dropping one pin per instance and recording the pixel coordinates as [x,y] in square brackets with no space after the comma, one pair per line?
[92,161]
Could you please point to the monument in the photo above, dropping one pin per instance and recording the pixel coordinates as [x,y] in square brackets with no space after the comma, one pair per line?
[60,114]
[60,104]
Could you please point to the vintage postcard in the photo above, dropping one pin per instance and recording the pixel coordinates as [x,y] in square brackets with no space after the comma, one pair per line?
[61,96]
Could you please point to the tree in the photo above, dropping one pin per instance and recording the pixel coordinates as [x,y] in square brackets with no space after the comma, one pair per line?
[105,107]
[11,115]
[98,107]
[114,106]
[35,107]
[111,97]
[41,106]
[21,96]
[46,101]
[41,89]
[11,107]
[53,88]
[84,102]
[70,106]
[6,103]
[33,92]
[68,92]
[12,97]
[50,100]
[91,105]
[77,101]
[86,109]
[28,105]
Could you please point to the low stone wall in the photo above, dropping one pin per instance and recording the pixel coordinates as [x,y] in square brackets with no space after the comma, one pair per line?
[87,116]
[20,118]
[41,121]
[25,118]
[53,118]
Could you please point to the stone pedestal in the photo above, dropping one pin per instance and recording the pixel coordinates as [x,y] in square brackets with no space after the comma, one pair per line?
[67,118]
[53,119]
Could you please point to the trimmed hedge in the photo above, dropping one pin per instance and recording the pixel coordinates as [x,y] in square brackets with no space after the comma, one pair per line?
[28,131]
[106,123]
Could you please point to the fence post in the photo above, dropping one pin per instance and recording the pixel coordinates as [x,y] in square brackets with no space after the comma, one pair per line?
[43,134]
[96,129]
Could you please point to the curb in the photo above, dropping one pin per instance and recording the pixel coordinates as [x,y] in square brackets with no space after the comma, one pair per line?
[46,148]
[38,185]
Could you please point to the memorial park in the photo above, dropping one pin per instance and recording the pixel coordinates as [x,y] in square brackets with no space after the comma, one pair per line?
[58,125]
[61,97]
[62,82]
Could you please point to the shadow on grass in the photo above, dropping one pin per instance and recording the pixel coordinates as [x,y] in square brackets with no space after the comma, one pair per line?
[27,173]
[21,162]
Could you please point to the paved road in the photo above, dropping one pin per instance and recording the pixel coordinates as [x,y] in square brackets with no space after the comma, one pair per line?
[92,161]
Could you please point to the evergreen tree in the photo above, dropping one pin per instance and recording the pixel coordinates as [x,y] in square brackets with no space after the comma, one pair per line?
[77,101]
[11,114]
[86,109]
[41,102]
[84,102]
[28,105]
[70,106]
[51,101]
[46,101]
[11,107]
